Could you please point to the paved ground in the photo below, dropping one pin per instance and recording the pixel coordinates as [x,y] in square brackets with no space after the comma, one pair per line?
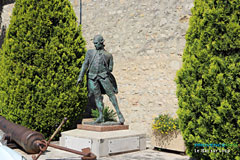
[149,154]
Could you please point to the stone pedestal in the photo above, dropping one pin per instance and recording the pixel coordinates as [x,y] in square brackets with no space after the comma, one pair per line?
[104,143]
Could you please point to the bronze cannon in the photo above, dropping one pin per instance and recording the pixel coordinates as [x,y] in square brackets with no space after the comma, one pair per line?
[24,137]
[34,142]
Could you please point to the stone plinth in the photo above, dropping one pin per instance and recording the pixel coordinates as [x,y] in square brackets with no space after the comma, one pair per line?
[104,143]
[102,128]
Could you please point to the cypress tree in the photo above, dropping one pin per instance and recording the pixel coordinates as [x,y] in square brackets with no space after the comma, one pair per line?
[40,61]
[208,84]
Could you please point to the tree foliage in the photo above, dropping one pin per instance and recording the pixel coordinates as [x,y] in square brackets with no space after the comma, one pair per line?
[208,84]
[40,61]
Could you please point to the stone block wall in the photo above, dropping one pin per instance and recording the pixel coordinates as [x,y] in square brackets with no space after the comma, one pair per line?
[147,39]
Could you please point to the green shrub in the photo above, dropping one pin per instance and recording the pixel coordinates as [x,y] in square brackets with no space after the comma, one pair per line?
[40,61]
[208,84]
[165,124]
[108,114]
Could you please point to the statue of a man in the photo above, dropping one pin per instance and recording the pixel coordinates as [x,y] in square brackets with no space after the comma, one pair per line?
[99,64]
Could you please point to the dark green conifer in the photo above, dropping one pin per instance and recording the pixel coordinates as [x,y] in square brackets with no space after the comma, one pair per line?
[208,84]
[40,61]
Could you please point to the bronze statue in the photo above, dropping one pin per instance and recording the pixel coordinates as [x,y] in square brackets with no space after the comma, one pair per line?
[99,64]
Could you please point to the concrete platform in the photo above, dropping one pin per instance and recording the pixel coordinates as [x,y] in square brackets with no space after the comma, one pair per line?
[104,143]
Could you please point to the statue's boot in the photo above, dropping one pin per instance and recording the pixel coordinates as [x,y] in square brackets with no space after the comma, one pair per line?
[113,99]
[100,119]
[121,118]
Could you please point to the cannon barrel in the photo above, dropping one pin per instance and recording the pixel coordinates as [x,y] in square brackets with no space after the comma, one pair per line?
[24,137]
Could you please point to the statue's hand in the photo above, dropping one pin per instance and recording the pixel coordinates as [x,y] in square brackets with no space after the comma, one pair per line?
[79,81]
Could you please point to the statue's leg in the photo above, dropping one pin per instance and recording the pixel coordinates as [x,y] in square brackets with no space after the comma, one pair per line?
[95,89]
[107,85]
[113,99]
[99,103]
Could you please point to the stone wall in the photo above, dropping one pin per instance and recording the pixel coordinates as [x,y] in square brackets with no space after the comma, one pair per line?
[147,39]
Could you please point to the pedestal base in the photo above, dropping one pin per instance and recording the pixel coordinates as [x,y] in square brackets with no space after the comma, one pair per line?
[104,143]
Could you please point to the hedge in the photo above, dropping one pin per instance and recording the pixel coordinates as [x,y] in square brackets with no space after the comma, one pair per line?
[208,84]
[40,60]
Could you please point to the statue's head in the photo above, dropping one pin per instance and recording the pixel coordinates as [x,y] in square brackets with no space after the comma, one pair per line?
[98,42]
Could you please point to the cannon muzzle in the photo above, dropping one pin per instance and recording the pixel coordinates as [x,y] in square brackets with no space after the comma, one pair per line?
[24,137]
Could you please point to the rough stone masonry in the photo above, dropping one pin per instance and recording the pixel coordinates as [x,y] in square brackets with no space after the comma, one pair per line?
[147,39]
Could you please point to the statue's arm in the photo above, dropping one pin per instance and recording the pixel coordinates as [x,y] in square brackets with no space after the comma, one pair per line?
[110,66]
[84,68]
